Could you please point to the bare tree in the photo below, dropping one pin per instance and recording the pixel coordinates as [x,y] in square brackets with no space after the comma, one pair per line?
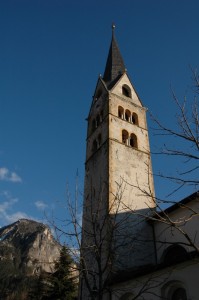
[98,257]
[185,139]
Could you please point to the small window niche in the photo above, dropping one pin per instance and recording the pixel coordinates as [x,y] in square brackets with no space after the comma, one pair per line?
[125,137]
[135,119]
[174,254]
[133,141]
[179,294]
[127,115]
[121,112]
[126,91]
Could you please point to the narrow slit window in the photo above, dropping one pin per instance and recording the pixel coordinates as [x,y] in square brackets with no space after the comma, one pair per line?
[93,125]
[94,145]
[98,120]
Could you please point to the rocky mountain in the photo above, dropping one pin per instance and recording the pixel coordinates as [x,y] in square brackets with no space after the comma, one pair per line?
[33,265]
[29,246]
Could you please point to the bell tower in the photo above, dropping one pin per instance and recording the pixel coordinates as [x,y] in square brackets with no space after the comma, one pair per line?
[119,188]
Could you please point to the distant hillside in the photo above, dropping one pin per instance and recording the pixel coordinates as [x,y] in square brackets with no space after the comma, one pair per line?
[27,251]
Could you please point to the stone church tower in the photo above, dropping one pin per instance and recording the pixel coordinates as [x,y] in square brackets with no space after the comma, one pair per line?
[119,188]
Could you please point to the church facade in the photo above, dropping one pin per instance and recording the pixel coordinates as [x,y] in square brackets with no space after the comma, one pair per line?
[129,250]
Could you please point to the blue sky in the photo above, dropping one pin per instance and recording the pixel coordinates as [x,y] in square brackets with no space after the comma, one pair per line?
[50,57]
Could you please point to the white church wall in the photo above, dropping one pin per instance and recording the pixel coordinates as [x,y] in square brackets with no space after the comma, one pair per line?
[178,227]
[160,284]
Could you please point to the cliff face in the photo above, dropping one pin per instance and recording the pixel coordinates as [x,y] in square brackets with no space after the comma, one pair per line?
[30,246]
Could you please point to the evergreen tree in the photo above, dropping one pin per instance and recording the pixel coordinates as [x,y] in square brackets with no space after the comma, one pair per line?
[64,287]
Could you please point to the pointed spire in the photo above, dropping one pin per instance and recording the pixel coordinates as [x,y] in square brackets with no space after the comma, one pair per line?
[115,65]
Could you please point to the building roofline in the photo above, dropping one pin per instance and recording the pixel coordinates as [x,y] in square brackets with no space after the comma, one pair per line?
[180,204]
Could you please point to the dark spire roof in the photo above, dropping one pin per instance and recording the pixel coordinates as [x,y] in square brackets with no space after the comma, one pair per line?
[115,65]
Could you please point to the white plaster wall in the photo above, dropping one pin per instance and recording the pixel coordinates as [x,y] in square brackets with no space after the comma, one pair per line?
[153,285]
[186,221]
[130,168]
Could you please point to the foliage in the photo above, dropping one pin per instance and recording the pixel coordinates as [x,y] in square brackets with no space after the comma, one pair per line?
[14,284]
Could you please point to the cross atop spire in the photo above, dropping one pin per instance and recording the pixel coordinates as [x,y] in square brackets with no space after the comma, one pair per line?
[115,65]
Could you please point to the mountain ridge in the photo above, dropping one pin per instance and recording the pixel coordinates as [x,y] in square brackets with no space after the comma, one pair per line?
[30,245]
